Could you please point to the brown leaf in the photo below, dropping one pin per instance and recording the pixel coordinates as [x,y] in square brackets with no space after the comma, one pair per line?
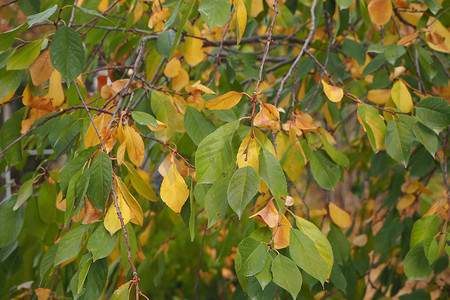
[92,213]
[41,69]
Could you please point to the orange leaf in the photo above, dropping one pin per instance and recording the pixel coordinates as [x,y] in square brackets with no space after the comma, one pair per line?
[268,117]
[333,93]
[42,293]
[304,121]
[41,69]
[92,214]
[101,121]
[380,11]
[172,68]
[339,216]
[225,101]
[268,215]
[282,233]
[439,37]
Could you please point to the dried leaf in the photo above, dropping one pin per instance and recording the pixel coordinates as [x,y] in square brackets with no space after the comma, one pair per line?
[268,117]
[380,11]
[101,121]
[41,69]
[92,214]
[42,293]
[439,37]
[268,215]
[282,233]
[225,101]
[360,240]
[333,93]
[339,216]
[304,121]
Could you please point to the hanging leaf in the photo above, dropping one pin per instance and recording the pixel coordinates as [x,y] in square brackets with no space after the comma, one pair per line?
[215,12]
[339,216]
[434,112]
[380,11]
[272,174]
[373,125]
[174,191]
[399,138]
[324,171]
[225,101]
[401,97]
[112,221]
[23,57]
[241,18]
[253,257]
[242,188]
[333,93]
[287,275]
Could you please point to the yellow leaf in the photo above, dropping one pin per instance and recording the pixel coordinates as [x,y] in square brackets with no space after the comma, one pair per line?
[112,222]
[380,11]
[314,213]
[138,215]
[41,69]
[121,153]
[141,185]
[135,145]
[268,117]
[304,121]
[180,80]
[241,13]
[339,216]
[101,121]
[406,201]
[27,98]
[333,93]
[379,96]
[256,7]
[55,90]
[103,5]
[193,49]
[225,101]
[161,126]
[7,97]
[172,68]
[268,215]
[203,88]
[282,233]
[174,191]
[439,37]
[401,97]
[251,158]
[138,11]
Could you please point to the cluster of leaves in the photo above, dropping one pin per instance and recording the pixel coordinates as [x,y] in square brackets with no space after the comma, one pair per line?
[209,148]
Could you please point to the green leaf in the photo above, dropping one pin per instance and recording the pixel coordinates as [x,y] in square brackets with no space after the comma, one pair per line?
[214,155]
[242,188]
[164,42]
[305,254]
[143,188]
[83,269]
[399,138]
[101,243]
[191,222]
[352,48]
[30,7]
[23,57]
[25,192]
[341,246]
[426,137]
[69,245]
[216,200]
[319,239]
[272,174]
[82,184]
[9,81]
[185,10]
[92,13]
[144,118]
[287,275]
[433,6]
[434,112]
[122,292]
[165,111]
[336,155]
[374,65]
[416,263]
[70,197]
[343,4]
[46,202]
[100,185]
[324,171]
[430,247]
[11,222]
[253,257]
[123,247]
[393,52]
[96,279]
[215,12]
[265,276]
[388,234]
[374,126]
[42,16]
[67,53]
[7,38]
[197,126]
[424,228]
[48,260]
[72,167]
[8,133]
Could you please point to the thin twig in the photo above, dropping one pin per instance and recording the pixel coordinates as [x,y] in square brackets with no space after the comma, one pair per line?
[7,3]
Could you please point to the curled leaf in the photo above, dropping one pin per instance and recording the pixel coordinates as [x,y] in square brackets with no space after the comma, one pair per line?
[333,93]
